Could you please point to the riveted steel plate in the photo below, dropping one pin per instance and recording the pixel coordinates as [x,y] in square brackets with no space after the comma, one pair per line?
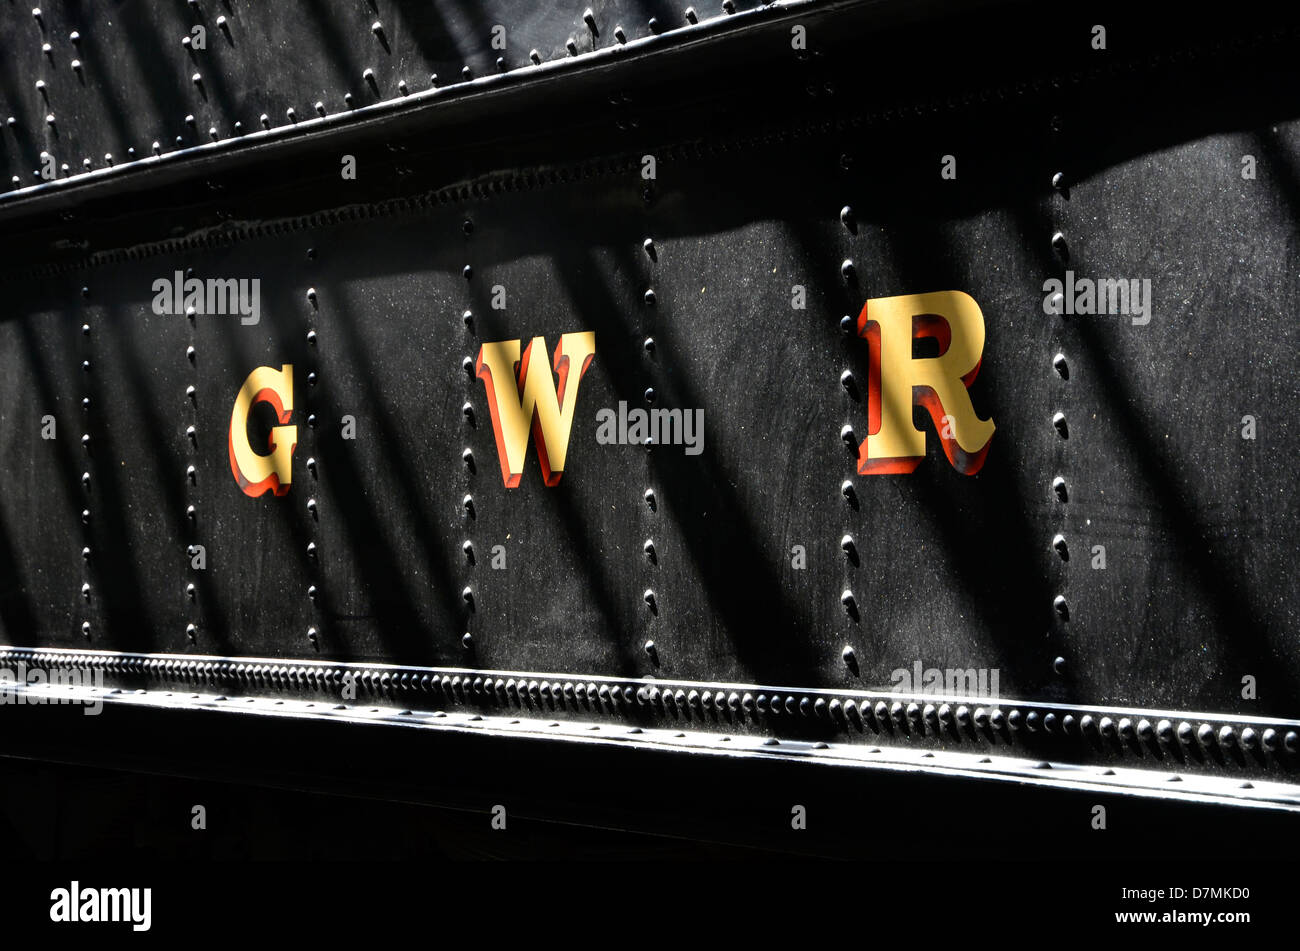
[1115,575]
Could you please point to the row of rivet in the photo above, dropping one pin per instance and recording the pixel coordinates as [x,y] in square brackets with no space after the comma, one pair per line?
[85,476]
[368,77]
[848,273]
[875,714]
[191,474]
[519,690]
[313,509]
[1060,490]
[467,455]
[650,353]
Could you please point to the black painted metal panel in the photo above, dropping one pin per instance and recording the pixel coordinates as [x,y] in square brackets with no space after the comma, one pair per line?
[790,187]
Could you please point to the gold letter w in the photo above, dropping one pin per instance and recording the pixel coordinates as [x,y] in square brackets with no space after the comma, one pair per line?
[521,392]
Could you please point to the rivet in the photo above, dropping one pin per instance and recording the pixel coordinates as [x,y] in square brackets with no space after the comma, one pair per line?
[85,591]
[311,550]
[468,504]
[377,28]
[1227,735]
[847,381]
[403,88]
[535,56]
[1205,734]
[191,512]
[691,15]
[650,498]
[189,120]
[311,592]
[1061,367]
[191,631]
[1058,181]
[728,6]
[74,37]
[1107,726]
[265,120]
[847,490]
[1067,723]
[85,629]
[466,73]
[619,34]
[650,394]
[312,634]
[649,549]
[85,439]
[85,403]
[467,594]
[311,337]
[311,465]
[190,591]
[467,226]
[847,599]
[1291,741]
[40,86]
[311,378]
[650,648]
[1185,732]
[85,480]
[468,366]
[85,516]
[190,353]
[467,641]
[192,393]
[649,598]
[650,297]
[85,554]
[468,457]
[49,120]
[468,549]
[1248,738]
[76,65]
[185,42]
[847,270]
[468,318]
[85,330]
[311,508]
[847,546]
[320,108]
[1058,243]
[848,656]
[649,345]
[1060,488]
[589,18]
[1062,549]
[468,411]
[1058,421]
[157,148]
[1058,665]
[846,434]
[197,79]
[571,46]
[1268,740]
